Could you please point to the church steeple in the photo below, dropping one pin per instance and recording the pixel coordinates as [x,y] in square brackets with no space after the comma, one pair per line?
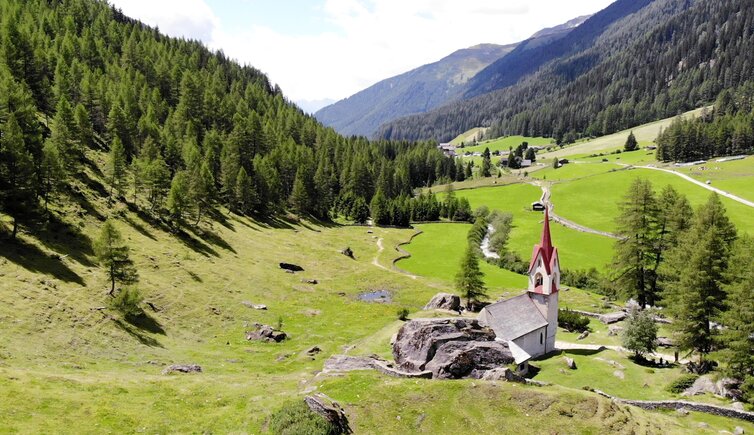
[544,269]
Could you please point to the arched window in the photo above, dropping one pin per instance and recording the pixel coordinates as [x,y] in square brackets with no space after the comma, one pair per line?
[537,280]
[541,338]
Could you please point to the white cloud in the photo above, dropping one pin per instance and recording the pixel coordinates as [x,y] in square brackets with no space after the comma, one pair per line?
[366,40]
[187,18]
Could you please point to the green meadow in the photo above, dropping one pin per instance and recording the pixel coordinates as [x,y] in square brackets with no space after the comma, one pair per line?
[594,201]
[736,177]
[505,143]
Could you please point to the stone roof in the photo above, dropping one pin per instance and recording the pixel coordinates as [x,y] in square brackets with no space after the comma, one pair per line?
[513,318]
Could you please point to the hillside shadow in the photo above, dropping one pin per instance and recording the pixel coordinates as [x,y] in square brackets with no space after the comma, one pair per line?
[79,198]
[33,259]
[583,352]
[135,332]
[214,239]
[195,244]
[139,228]
[66,239]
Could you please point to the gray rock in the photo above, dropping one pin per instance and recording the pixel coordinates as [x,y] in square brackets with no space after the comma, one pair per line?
[248,304]
[310,281]
[682,411]
[738,406]
[664,342]
[703,425]
[460,359]
[738,430]
[330,410]
[313,350]
[182,368]
[444,301]
[418,340]
[570,363]
[502,374]
[614,330]
[610,318]
[266,333]
[583,335]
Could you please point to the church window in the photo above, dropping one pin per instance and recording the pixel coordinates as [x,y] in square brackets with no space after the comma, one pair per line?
[541,338]
[538,280]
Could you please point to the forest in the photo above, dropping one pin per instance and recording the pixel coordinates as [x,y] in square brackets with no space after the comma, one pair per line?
[668,58]
[185,129]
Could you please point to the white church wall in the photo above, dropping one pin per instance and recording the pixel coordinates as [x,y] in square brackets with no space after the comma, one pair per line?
[533,343]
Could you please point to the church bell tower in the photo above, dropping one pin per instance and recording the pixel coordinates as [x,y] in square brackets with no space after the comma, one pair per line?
[544,281]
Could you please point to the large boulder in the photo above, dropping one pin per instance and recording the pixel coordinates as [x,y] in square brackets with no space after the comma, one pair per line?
[611,318]
[444,301]
[449,348]
[330,410]
[266,333]
[460,359]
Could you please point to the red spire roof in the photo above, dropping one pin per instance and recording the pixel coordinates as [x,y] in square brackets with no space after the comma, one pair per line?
[549,253]
[546,242]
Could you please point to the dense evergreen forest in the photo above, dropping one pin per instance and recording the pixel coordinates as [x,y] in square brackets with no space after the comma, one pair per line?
[185,129]
[670,57]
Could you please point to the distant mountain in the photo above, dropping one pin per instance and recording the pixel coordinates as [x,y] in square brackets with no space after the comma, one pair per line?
[311,106]
[416,91]
[622,67]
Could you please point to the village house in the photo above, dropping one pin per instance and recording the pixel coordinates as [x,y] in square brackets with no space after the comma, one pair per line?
[528,323]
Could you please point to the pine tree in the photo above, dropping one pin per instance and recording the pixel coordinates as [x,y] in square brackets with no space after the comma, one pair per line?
[634,251]
[697,274]
[179,198]
[244,193]
[738,355]
[469,279]
[17,181]
[300,198]
[631,143]
[84,128]
[116,167]
[486,163]
[156,181]
[112,253]
[52,171]
[378,208]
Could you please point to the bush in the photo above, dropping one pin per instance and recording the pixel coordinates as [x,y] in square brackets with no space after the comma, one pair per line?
[681,384]
[295,418]
[128,302]
[583,279]
[571,321]
[403,314]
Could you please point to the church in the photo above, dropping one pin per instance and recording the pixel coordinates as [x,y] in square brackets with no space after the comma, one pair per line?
[528,322]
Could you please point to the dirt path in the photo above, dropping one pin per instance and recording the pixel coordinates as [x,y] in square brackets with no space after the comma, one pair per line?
[375,260]
[404,254]
[699,183]
[545,199]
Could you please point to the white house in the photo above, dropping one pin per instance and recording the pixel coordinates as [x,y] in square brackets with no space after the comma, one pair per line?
[528,322]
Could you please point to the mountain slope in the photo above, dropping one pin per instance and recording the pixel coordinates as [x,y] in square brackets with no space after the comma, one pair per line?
[416,91]
[427,87]
[508,70]
[670,56]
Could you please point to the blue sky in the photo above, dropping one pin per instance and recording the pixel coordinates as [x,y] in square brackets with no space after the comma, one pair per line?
[331,49]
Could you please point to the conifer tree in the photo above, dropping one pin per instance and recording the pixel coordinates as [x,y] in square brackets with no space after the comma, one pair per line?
[116,167]
[244,192]
[469,279]
[84,128]
[112,253]
[631,143]
[634,251]
[300,198]
[52,171]
[379,209]
[17,181]
[179,198]
[486,163]
[738,355]
[156,181]
[697,274]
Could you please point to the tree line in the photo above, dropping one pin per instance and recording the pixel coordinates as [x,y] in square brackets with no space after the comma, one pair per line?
[185,129]
[695,265]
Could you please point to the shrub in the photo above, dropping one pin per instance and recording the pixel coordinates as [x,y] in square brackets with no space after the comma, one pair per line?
[572,321]
[295,418]
[128,302]
[403,314]
[680,385]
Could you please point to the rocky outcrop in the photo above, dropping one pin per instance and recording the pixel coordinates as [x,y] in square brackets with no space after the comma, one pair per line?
[182,368]
[503,374]
[611,318]
[330,410]
[444,301]
[449,348]
[254,306]
[266,333]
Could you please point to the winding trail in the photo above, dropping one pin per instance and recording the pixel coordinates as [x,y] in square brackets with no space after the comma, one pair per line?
[375,260]
[403,254]
[698,183]
[546,200]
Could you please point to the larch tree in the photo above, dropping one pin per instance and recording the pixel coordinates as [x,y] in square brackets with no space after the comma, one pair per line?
[486,163]
[469,279]
[113,255]
[697,271]
[634,251]
[116,167]
[631,143]
[17,181]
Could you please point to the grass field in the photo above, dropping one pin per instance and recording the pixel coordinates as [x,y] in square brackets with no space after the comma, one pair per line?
[577,250]
[468,136]
[504,144]
[576,200]
[735,176]
[645,135]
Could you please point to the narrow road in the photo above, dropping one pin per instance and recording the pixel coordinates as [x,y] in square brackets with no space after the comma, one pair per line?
[545,199]
[699,183]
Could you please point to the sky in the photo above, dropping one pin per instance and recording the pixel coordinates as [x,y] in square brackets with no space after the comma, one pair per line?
[331,49]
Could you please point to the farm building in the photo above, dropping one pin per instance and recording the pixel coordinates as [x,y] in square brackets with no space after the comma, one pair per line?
[529,322]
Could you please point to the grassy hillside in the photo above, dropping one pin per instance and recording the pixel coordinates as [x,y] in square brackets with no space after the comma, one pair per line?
[468,136]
